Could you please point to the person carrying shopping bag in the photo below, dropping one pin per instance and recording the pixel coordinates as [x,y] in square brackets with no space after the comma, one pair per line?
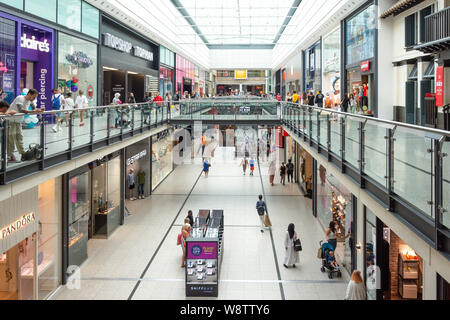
[291,256]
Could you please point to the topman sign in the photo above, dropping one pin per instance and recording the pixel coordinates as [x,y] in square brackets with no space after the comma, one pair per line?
[121,45]
[20,223]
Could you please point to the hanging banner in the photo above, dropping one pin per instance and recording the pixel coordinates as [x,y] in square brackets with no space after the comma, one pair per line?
[440,86]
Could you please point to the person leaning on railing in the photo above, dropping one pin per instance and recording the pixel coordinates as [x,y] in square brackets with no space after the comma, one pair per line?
[15,136]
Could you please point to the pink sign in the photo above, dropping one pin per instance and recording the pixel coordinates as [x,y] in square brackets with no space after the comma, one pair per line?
[440,86]
[202,250]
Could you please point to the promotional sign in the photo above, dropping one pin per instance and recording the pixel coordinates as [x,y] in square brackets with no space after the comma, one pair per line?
[202,250]
[240,74]
[365,66]
[440,86]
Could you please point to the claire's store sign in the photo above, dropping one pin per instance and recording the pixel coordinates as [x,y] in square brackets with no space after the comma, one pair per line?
[119,44]
[20,223]
[33,44]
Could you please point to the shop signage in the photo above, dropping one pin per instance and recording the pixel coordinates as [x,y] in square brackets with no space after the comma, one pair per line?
[79,59]
[240,74]
[387,235]
[162,134]
[20,223]
[365,66]
[121,45]
[33,44]
[136,157]
[202,250]
[440,86]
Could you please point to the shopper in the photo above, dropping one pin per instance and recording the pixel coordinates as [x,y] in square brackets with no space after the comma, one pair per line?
[304,98]
[272,170]
[261,209]
[319,99]
[81,102]
[283,173]
[345,103]
[356,289]
[290,171]
[57,104]
[278,97]
[185,231]
[352,103]
[4,106]
[291,257]
[244,164]
[141,183]
[295,97]
[69,104]
[114,110]
[131,184]
[148,99]
[252,166]
[330,234]
[15,137]
[158,100]
[310,98]
[190,216]
[206,166]
[267,150]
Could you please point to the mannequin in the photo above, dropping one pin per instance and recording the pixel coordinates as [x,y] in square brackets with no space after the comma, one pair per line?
[141,183]
[365,95]
[131,184]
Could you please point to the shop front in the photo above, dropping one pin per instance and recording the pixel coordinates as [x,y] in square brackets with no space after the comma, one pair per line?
[94,206]
[130,63]
[360,69]
[304,171]
[166,71]
[331,76]
[394,271]
[26,58]
[137,164]
[335,203]
[77,67]
[312,70]
[30,243]
[185,75]
[162,156]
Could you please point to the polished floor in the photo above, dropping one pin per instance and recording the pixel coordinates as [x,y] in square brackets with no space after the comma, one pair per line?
[142,261]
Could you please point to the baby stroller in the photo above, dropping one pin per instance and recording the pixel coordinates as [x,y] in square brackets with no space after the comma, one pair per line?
[326,266]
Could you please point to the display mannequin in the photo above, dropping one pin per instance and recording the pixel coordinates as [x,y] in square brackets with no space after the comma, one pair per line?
[141,183]
[365,95]
[131,184]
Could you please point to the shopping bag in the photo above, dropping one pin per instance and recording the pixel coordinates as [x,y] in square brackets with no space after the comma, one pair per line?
[267,222]
[297,245]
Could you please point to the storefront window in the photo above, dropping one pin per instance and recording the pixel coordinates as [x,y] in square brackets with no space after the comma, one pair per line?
[79,212]
[8,59]
[69,14]
[334,203]
[49,235]
[162,157]
[313,67]
[77,67]
[43,8]
[138,158]
[165,81]
[14,3]
[370,255]
[331,68]
[90,20]
[360,36]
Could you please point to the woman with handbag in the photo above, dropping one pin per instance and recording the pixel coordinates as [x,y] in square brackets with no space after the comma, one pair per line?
[292,246]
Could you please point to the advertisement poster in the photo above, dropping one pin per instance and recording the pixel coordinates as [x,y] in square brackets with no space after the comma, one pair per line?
[440,86]
[202,250]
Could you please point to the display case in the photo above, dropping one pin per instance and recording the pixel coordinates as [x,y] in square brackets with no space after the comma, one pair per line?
[204,255]
[78,238]
[106,221]
[408,275]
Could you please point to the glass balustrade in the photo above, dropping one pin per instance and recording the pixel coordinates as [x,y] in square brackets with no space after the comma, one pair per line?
[375,157]
[445,219]
[352,141]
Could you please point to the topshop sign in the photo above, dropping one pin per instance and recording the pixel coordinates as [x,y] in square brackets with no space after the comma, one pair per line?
[119,44]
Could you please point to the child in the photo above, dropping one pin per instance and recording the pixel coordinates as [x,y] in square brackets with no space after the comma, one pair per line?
[332,260]
[252,166]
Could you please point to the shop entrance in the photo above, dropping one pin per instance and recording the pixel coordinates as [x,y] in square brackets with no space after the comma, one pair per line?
[113,82]
[362,88]
[17,271]
[26,74]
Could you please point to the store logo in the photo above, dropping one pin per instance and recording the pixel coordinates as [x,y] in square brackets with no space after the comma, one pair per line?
[33,44]
[365,66]
[136,157]
[142,53]
[116,43]
[196,250]
[79,59]
[20,223]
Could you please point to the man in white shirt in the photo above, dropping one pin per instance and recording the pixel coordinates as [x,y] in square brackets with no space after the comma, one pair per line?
[80,103]
[57,104]
[15,136]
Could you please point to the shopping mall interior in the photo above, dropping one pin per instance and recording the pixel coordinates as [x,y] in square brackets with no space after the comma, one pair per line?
[225,150]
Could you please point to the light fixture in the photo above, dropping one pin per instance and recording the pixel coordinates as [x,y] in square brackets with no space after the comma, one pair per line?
[111,69]
[131,72]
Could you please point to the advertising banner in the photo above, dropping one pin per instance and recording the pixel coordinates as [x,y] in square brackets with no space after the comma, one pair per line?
[202,250]
[240,74]
[440,86]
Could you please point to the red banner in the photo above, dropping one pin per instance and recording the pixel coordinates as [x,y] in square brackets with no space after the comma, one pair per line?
[440,86]
[365,66]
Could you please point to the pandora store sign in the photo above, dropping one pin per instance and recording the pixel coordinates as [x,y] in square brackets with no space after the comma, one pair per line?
[119,44]
[20,223]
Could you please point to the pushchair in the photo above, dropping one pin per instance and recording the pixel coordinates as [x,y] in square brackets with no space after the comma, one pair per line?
[326,266]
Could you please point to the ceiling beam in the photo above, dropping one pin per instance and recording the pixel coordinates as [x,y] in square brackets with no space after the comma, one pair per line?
[290,14]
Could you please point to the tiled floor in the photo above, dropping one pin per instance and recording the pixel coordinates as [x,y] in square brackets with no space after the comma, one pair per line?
[248,271]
